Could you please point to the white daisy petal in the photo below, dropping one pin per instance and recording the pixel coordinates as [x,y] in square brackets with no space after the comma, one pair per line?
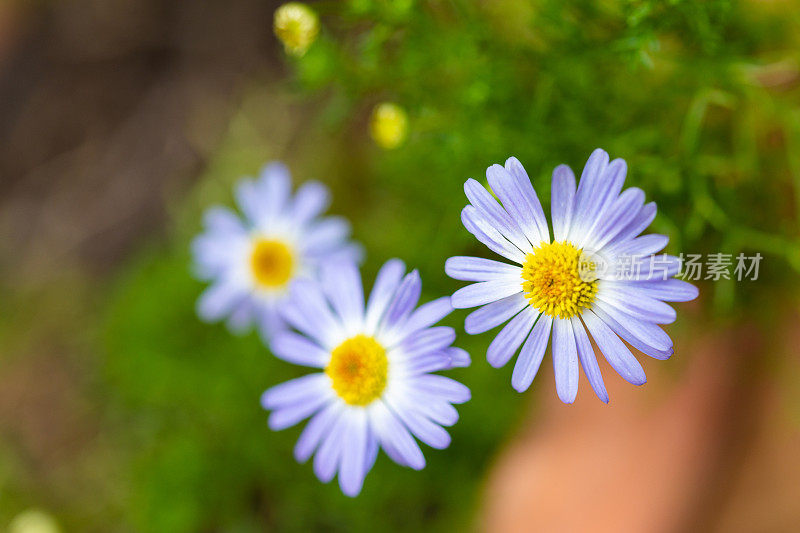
[484,292]
[216,255]
[489,236]
[508,341]
[615,352]
[269,321]
[394,438]
[448,389]
[352,252]
[479,269]
[458,358]
[621,213]
[421,427]
[274,187]
[563,201]
[241,317]
[597,207]
[296,316]
[517,205]
[299,350]
[295,391]
[247,199]
[428,340]
[437,410]
[372,450]
[639,223]
[312,198]
[386,284]
[403,301]
[530,358]
[429,362]
[529,196]
[329,455]
[219,299]
[641,246]
[315,430]
[308,300]
[354,452]
[671,290]
[588,193]
[634,302]
[296,400]
[565,360]
[342,284]
[492,315]
[218,219]
[646,337]
[494,214]
[290,415]
[588,359]
[426,315]
[326,234]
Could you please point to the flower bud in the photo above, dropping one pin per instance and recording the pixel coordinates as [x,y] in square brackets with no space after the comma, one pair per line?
[297,26]
[33,521]
[389,125]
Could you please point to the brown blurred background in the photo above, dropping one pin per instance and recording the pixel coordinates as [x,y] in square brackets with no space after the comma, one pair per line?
[105,106]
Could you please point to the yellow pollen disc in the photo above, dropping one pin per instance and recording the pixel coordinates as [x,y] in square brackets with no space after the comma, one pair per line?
[358,368]
[555,280]
[272,263]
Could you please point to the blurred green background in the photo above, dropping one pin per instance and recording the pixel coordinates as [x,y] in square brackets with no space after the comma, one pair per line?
[121,121]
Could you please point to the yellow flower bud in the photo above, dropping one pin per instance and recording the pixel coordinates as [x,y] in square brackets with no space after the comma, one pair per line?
[297,26]
[33,521]
[389,125]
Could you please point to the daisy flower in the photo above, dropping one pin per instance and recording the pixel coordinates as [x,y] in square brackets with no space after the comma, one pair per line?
[250,261]
[375,388]
[558,286]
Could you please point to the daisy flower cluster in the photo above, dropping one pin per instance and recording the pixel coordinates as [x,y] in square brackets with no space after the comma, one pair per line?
[293,272]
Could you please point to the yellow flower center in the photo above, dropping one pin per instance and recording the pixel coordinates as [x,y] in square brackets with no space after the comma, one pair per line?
[557,280]
[272,263]
[358,368]
[296,25]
